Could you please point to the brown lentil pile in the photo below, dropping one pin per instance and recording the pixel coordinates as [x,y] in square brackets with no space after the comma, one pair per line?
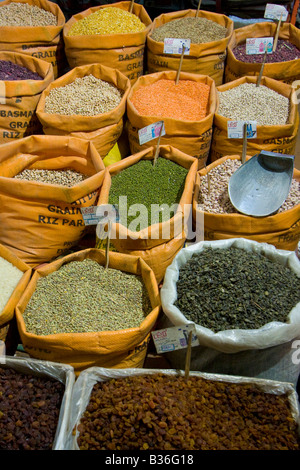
[105,300]
[110,20]
[249,102]
[170,413]
[86,96]
[198,30]
[213,192]
[62,177]
[285,51]
[23,14]
[29,410]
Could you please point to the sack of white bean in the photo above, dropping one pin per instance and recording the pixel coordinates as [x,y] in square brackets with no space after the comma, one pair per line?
[33,27]
[95,96]
[209,34]
[107,324]
[110,35]
[271,105]
[19,97]
[282,65]
[222,221]
[45,182]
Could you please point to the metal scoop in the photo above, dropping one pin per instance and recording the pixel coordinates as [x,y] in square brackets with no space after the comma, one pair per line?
[261,185]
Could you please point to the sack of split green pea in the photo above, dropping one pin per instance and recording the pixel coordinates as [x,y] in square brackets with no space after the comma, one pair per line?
[268,351]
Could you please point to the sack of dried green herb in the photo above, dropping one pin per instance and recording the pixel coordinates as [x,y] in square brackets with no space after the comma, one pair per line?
[110,40]
[221,220]
[34,27]
[243,297]
[95,97]
[284,70]
[271,105]
[209,35]
[45,182]
[107,323]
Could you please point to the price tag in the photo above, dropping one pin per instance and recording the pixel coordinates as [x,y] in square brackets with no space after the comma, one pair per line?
[169,339]
[274,12]
[235,129]
[174,46]
[102,214]
[151,132]
[259,45]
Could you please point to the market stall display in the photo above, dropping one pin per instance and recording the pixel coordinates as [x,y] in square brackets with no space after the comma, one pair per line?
[110,35]
[209,34]
[88,102]
[34,28]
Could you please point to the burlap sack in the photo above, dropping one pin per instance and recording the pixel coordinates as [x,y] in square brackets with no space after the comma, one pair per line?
[19,98]
[40,221]
[124,52]
[287,72]
[113,349]
[8,312]
[42,42]
[103,130]
[281,229]
[190,137]
[205,59]
[279,139]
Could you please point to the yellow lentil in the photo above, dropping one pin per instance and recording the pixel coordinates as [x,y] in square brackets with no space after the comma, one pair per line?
[110,20]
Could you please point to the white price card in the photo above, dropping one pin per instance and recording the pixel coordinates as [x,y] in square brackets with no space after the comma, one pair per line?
[235,129]
[274,12]
[151,132]
[104,213]
[259,45]
[175,46]
[169,339]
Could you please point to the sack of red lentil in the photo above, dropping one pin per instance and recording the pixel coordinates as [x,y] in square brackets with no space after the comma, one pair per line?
[44,183]
[187,110]
[23,79]
[250,325]
[163,195]
[271,105]
[114,332]
[33,27]
[110,35]
[209,34]
[283,64]
[95,97]
[15,275]
[213,209]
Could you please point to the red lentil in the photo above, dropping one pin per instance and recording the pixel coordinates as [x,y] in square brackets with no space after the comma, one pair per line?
[185,101]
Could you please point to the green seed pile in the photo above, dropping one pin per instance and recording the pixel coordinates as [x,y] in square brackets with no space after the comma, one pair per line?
[62,177]
[148,185]
[86,96]
[82,297]
[23,14]
[223,289]
[198,30]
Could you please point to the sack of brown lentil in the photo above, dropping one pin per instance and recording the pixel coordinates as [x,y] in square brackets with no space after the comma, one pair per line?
[88,102]
[33,27]
[23,79]
[110,35]
[283,64]
[209,34]
[271,105]
[212,206]
[244,299]
[154,203]
[44,182]
[187,110]
[211,422]
[107,323]
[15,275]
